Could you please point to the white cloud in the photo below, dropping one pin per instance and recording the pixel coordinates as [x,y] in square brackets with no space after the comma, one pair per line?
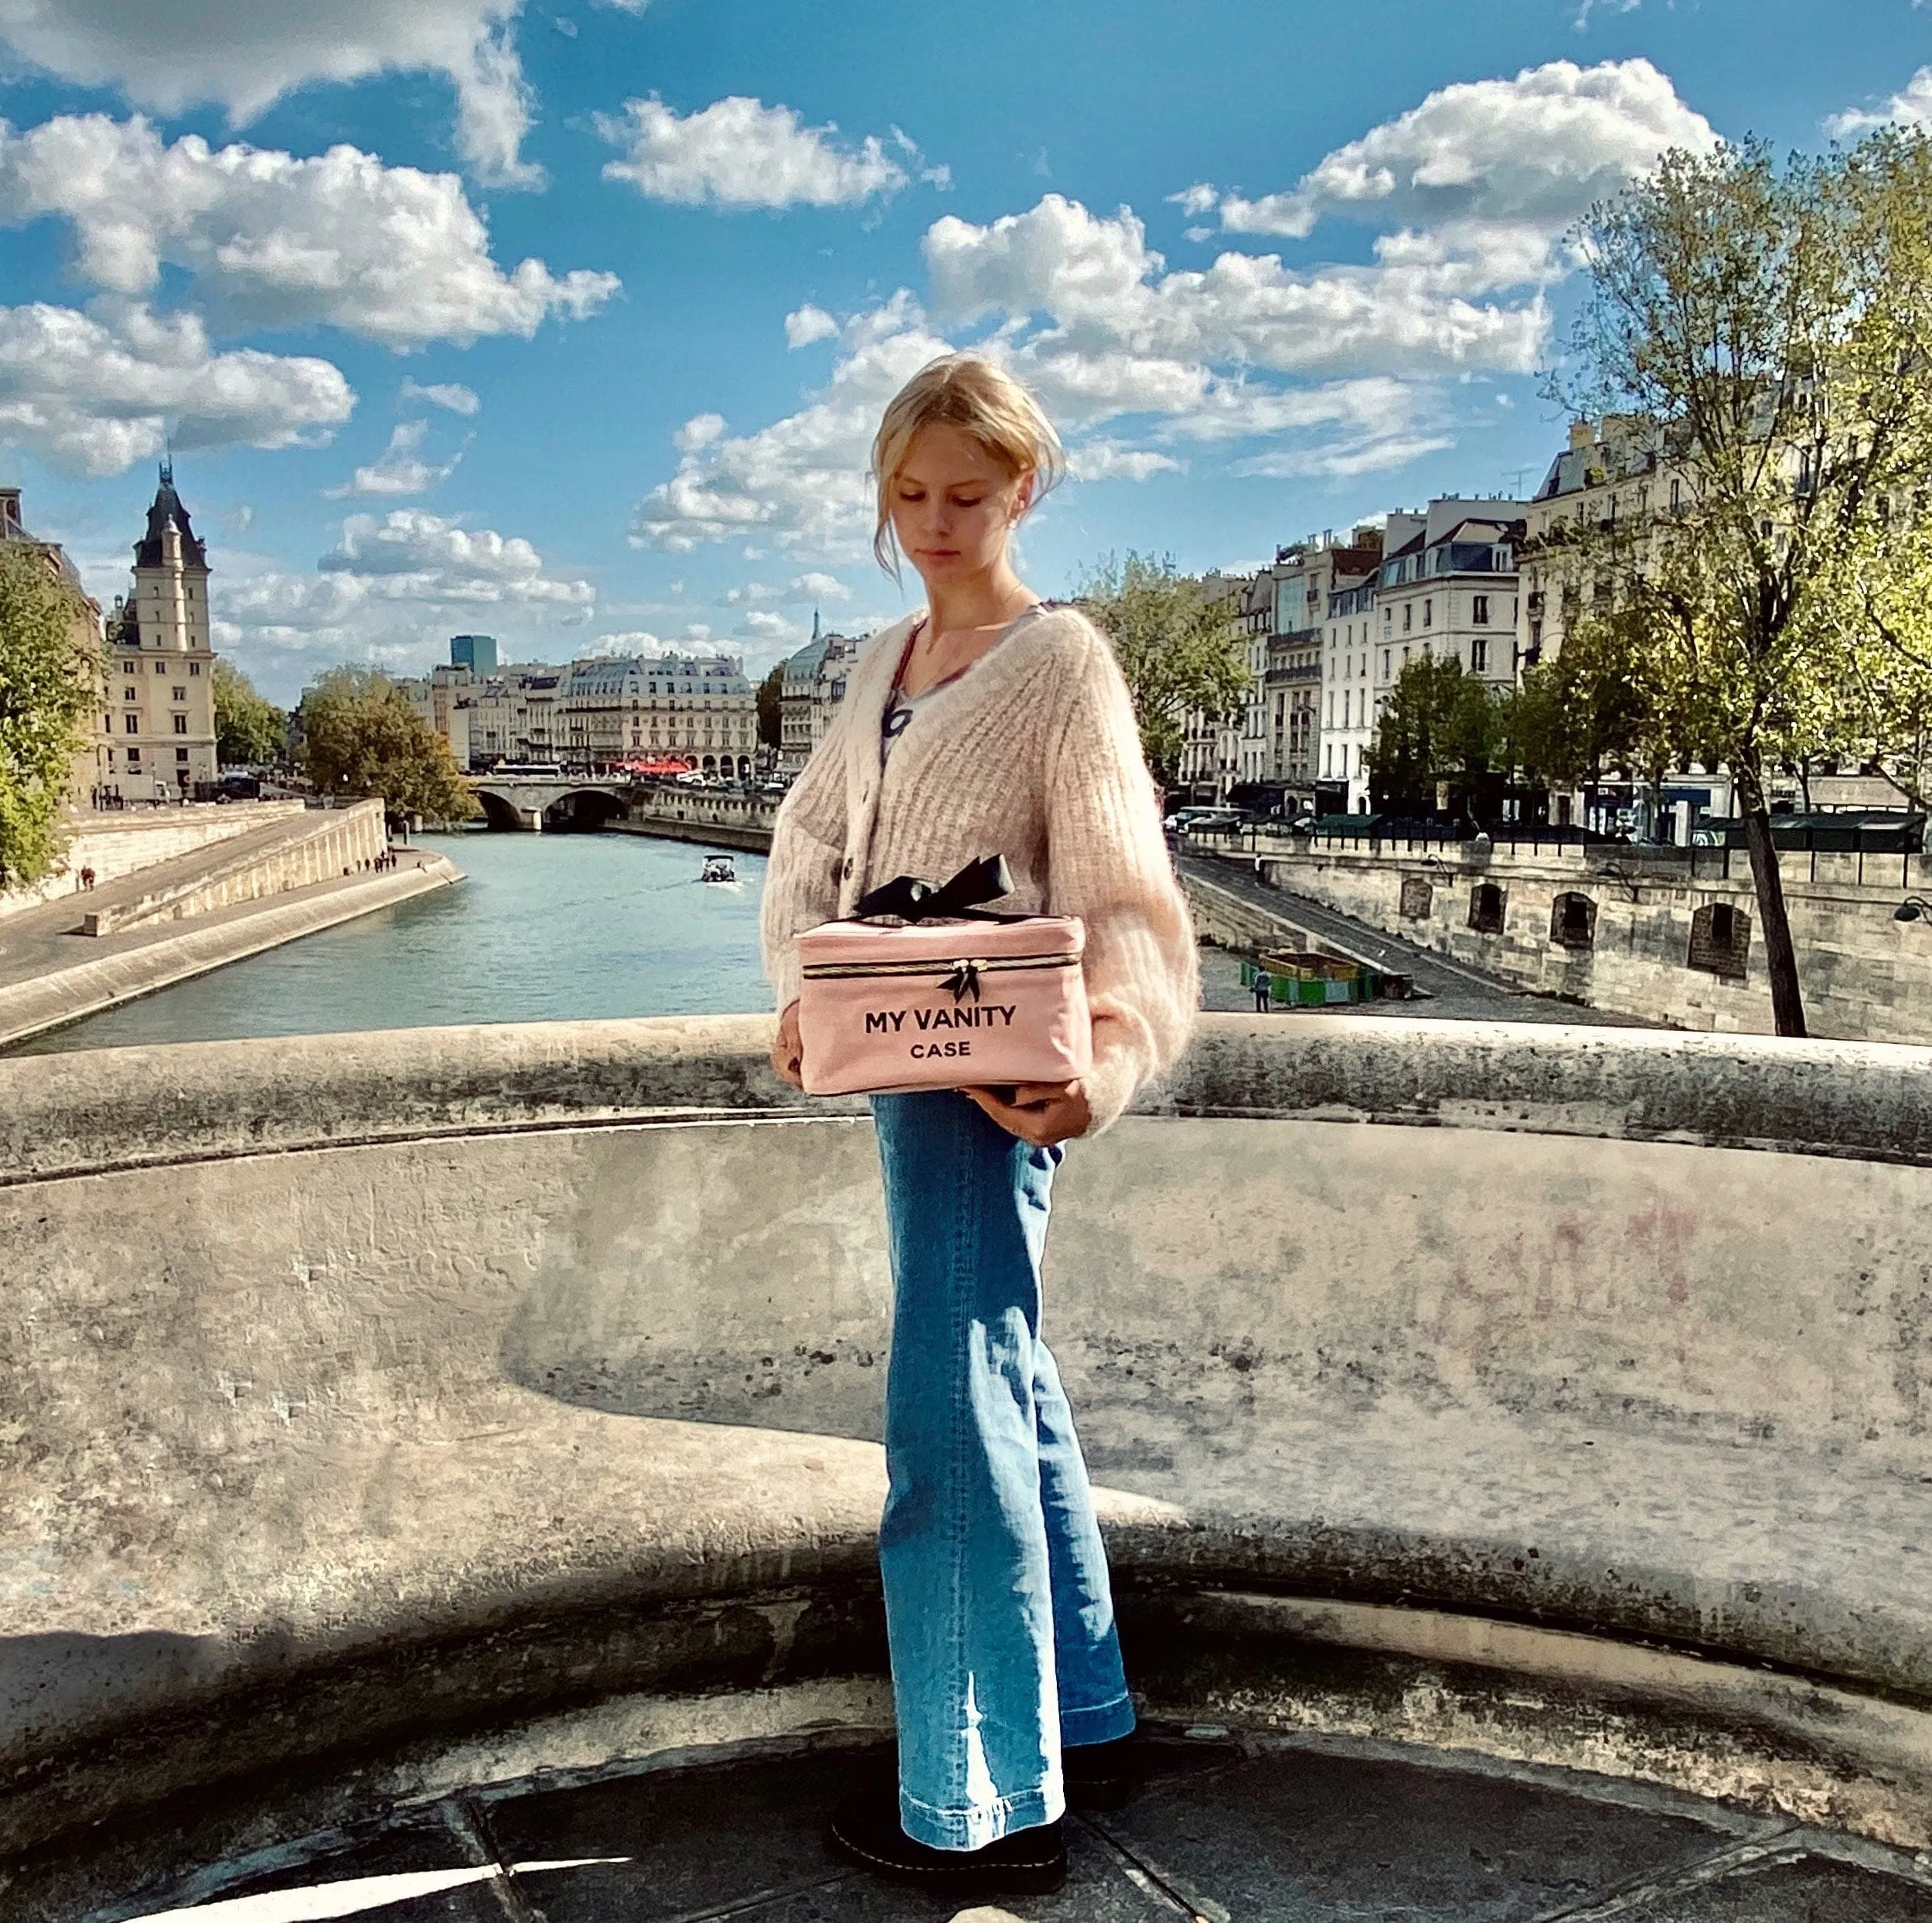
[1102,459]
[1586,7]
[244,55]
[400,469]
[808,323]
[1106,290]
[1912,107]
[391,592]
[1530,154]
[1333,369]
[812,587]
[450,394]
[800,484]
[738,152]
[392,253]
[96,392]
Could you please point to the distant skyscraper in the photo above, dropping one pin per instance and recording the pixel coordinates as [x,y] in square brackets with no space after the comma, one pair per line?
[475,651]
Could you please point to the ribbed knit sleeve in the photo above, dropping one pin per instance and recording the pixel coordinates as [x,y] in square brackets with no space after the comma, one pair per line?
[808,846]
[1108,863]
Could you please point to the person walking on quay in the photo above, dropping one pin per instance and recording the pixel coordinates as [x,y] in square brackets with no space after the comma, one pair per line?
[989,722]
[1264,991]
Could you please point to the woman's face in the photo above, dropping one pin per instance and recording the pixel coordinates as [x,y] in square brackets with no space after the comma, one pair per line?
[953,504]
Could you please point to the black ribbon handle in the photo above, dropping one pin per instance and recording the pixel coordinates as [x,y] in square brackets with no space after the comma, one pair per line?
[907,899]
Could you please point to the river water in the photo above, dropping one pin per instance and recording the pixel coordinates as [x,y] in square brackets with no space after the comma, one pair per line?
[545,928]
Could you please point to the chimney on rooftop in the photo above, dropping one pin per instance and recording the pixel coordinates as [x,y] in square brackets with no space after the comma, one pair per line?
[1582,434]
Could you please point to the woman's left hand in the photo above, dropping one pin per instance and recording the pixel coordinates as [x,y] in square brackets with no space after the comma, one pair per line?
[1041,1112]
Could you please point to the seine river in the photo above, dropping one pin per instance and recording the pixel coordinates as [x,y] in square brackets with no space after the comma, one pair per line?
[546,928]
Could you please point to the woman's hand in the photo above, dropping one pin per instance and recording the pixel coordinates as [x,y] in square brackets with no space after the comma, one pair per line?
[1041,1112]
[788,1052]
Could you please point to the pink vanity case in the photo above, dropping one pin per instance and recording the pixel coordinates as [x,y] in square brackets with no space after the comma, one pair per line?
[943,1005]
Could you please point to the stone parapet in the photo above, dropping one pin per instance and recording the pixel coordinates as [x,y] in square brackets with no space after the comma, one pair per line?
[1557,1392]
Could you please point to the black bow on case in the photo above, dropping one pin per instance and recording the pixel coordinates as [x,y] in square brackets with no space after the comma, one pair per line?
[907,899]
[963,981]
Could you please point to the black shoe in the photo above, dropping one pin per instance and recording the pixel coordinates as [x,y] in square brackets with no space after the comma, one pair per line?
[865,1830]
[1104,1776]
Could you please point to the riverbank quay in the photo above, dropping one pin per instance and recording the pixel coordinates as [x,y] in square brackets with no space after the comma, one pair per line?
[1637,1509]
[1667,935]
[117,842]
[1236,913]
[232,897]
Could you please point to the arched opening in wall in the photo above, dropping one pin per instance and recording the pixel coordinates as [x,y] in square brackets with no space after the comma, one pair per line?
[582,811]
[1418,897]
[744,767]
[1720,940]
[498,813]
[1486,904]
[1572,920]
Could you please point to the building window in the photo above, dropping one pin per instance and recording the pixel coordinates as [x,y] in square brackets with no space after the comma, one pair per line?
[1429,613]
[181,754]
[1479,653]
[194,667]
[1572,920]
[133,757]
[1720,940]
[128,694]
[1486,903]
[127,667]
[130,724]
[161,667]
[1676,495]
[1385,664]
[1480,614]
[181,693]
[181,724]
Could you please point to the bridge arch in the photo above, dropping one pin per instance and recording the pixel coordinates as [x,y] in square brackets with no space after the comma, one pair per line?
[582,810]
[499,812]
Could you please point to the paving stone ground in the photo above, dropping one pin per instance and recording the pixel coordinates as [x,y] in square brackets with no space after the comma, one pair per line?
[1228,1832]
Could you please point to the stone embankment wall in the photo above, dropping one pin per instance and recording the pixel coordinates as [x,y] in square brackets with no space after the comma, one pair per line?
[117,845]
[1554,1394]
[722,819]
[1229,922]
[320,844]
[1866,976]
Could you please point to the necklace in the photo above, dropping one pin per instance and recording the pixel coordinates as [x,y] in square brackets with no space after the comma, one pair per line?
[944,656]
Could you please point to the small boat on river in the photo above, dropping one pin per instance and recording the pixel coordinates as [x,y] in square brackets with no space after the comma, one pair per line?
[719,867]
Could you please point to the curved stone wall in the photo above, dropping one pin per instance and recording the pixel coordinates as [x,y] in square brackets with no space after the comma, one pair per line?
[362,1386]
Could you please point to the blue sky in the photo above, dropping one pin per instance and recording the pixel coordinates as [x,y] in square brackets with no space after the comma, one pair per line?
[569,321]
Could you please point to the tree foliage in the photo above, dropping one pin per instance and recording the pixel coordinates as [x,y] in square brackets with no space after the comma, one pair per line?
[1763,336]
[361,738]
[1178,651]
[249,730]
[1437,724]
[50,679]
[771,718]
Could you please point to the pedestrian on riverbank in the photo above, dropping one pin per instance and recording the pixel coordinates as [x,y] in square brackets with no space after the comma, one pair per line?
[1264,992]
[989,722]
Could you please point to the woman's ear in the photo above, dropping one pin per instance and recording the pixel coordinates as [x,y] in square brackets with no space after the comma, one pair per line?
[1022,499]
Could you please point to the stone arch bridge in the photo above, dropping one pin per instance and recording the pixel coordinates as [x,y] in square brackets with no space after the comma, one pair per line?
[560,802]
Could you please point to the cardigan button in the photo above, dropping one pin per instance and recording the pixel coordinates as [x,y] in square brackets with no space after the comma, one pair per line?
[845,869]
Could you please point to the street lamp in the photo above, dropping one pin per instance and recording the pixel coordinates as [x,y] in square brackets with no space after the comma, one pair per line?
[1912,908]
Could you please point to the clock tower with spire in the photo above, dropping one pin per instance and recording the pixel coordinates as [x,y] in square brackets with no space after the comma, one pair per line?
[162,686]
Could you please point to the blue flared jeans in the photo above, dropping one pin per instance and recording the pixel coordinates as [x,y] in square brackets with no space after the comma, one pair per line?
[997,1604]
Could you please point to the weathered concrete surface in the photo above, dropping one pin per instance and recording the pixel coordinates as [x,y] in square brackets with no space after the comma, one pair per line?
[724,818]
[364,1385]
[157,954]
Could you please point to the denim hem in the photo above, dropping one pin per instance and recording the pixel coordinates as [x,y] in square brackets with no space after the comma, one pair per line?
[975,1827]
[1104,1723]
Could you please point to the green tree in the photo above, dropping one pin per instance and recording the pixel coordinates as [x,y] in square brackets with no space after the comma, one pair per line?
[1177,647]
[249,730]
[1586,711]
[771,720]
[1765,335]
[1437,725]
[51,668]
[361,738]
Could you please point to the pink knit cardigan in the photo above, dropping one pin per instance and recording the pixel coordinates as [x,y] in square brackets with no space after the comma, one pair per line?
[1032,753]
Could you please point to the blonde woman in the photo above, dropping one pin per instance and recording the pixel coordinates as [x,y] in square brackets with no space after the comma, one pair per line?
[989,722]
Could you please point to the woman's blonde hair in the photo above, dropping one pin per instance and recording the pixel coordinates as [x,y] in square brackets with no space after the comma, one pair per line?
[968,391]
